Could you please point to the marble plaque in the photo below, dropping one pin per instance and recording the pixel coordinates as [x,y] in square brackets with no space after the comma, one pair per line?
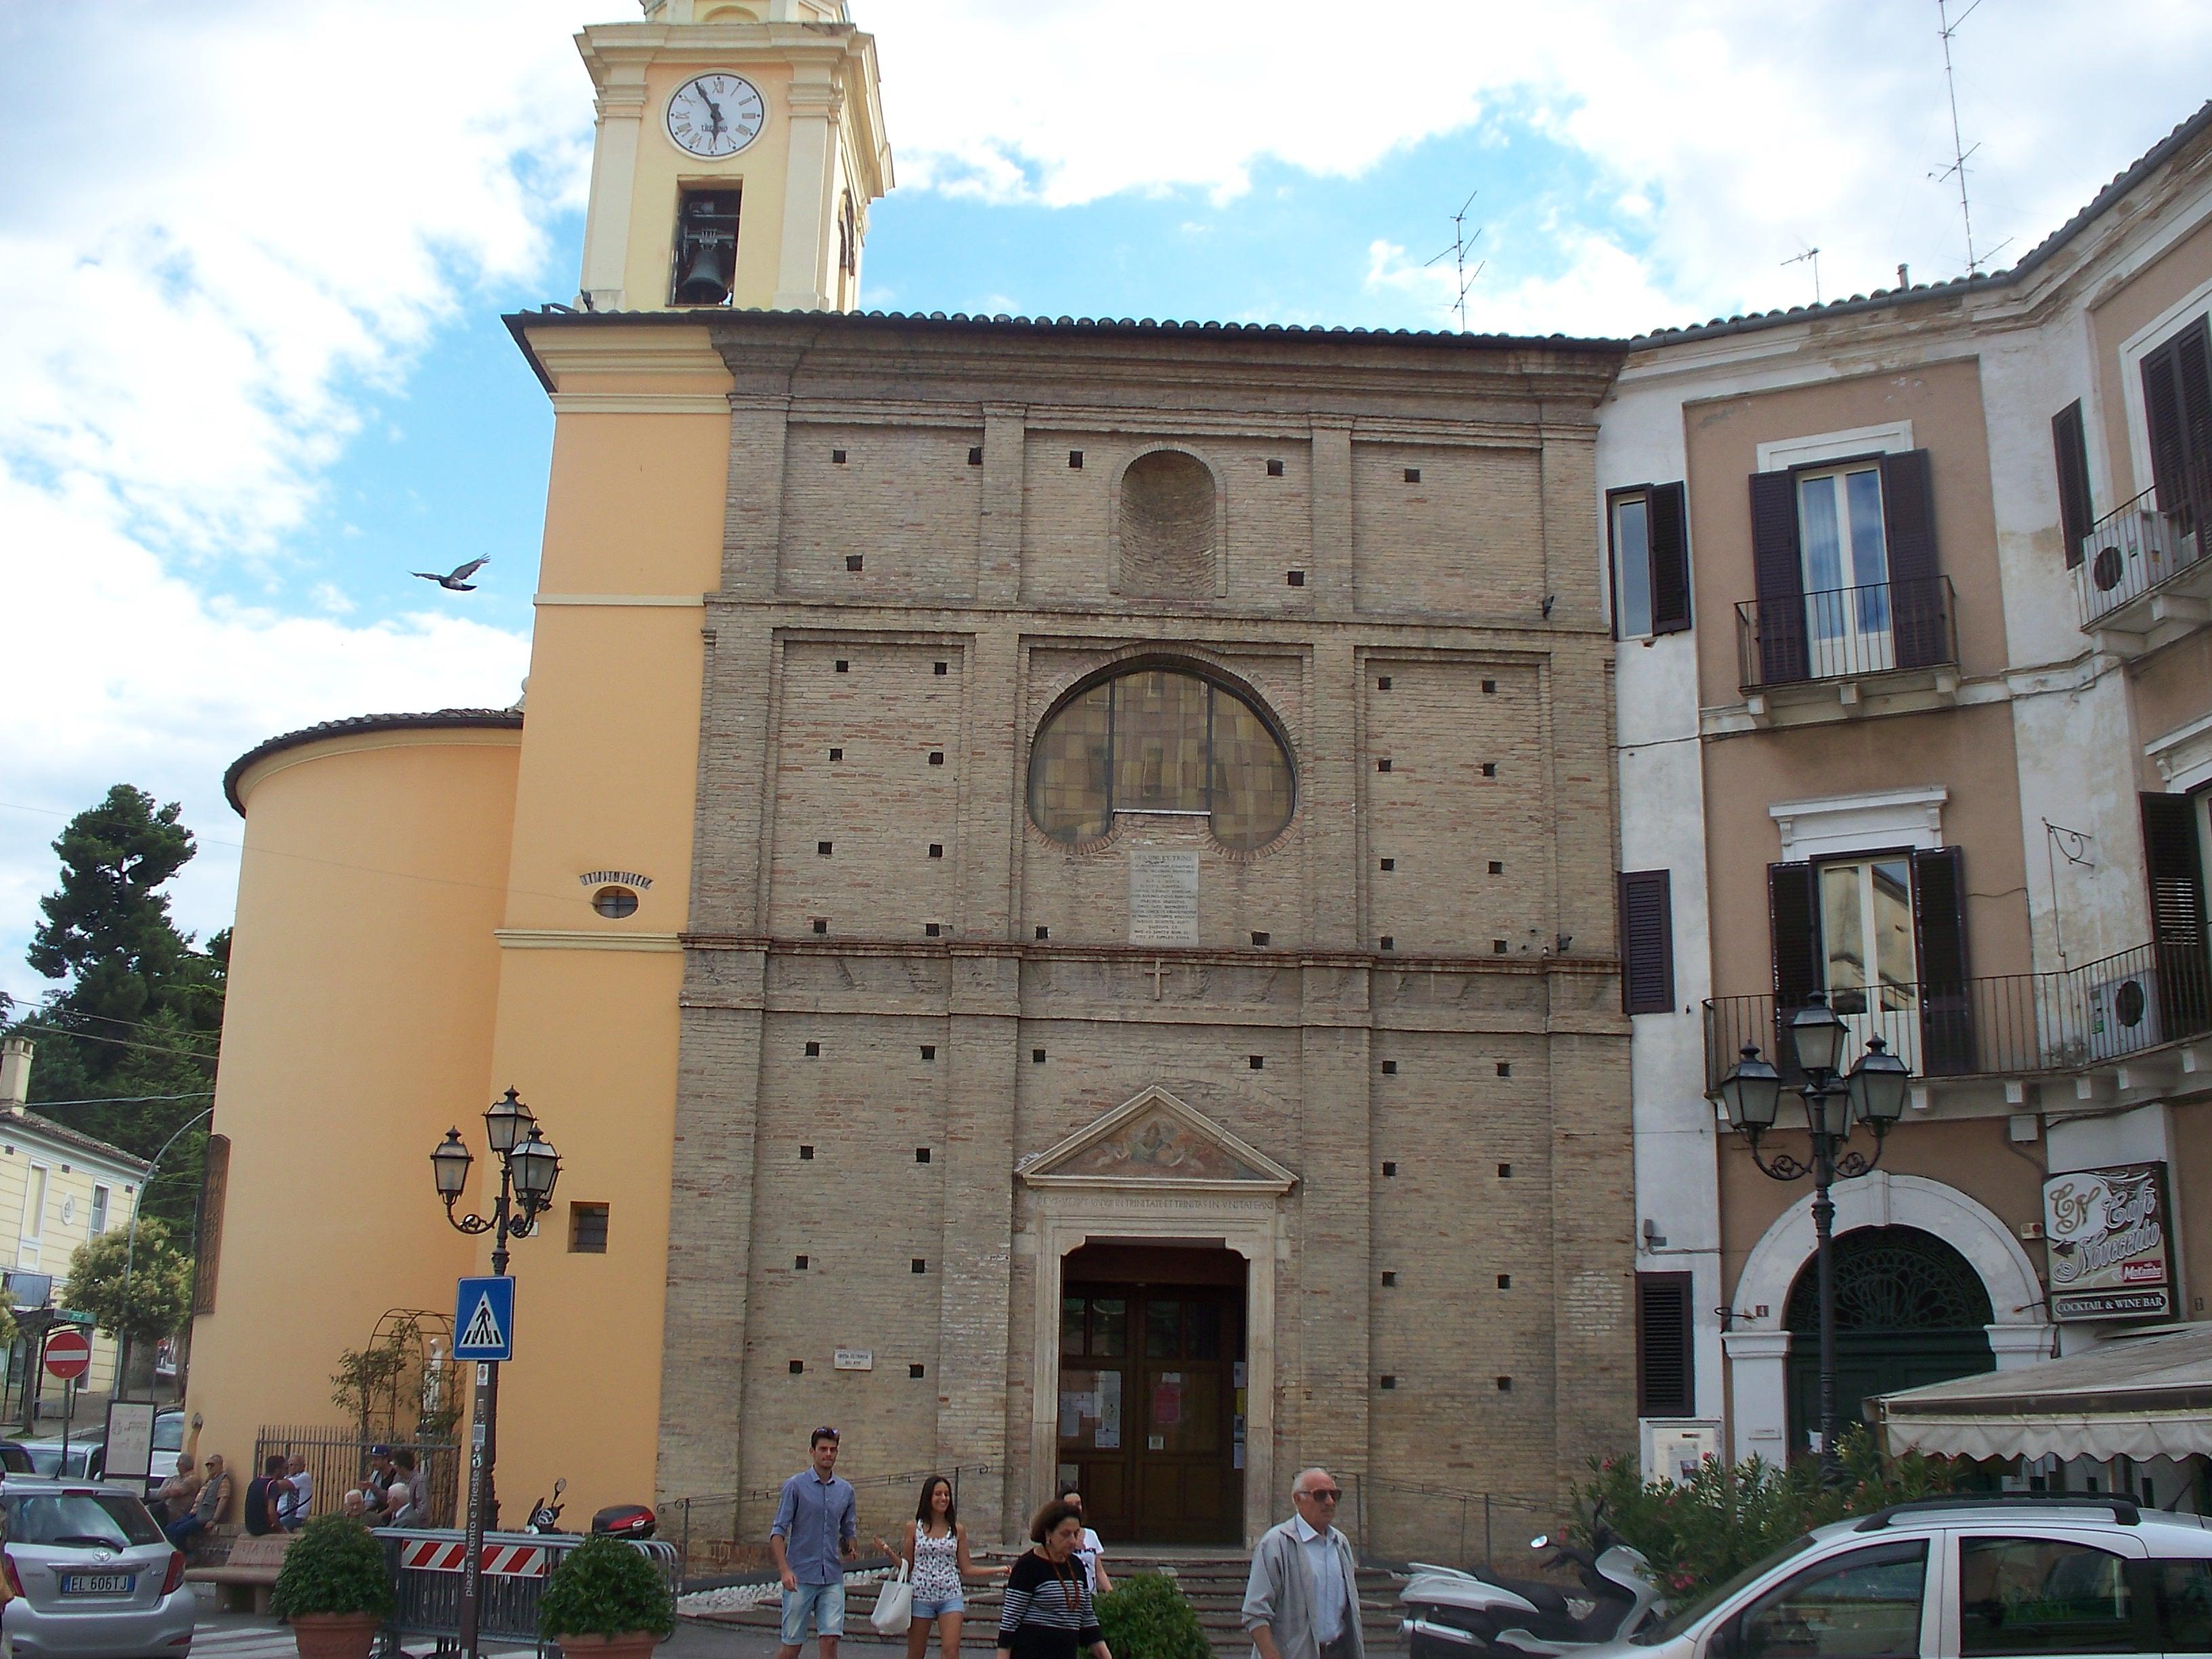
[1163,898]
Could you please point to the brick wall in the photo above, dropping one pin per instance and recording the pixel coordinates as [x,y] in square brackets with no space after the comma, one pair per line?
[1003,572]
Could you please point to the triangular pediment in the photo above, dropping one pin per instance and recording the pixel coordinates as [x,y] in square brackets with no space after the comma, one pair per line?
[1156,1139]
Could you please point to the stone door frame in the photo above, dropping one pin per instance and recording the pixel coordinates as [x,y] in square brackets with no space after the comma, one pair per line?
[1250,1224]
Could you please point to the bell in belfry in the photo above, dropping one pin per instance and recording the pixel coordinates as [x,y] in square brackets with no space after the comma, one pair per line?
[706,250]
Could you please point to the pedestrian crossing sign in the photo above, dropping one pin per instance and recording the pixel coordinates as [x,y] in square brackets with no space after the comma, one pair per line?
[483,1319]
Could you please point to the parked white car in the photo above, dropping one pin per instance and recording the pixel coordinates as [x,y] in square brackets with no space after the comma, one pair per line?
[1960,1578]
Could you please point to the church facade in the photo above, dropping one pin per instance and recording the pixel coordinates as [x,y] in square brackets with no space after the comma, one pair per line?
[1053,887]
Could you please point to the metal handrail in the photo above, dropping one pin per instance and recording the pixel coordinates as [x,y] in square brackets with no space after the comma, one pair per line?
[2003,1024]
[1846,632]
[2139,546]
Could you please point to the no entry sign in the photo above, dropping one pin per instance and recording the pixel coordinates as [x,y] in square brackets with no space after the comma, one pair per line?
[69,1355]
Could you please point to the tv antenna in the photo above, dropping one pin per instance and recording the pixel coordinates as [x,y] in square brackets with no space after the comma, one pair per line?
[1961,155]
[1811,255]
[1461,245]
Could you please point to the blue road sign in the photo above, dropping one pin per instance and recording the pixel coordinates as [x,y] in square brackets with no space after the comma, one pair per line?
[483,1319]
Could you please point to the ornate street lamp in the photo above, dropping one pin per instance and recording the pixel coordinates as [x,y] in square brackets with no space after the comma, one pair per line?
[529,1170]
[1873,1093]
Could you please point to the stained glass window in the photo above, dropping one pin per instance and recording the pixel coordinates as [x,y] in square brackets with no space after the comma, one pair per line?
[1160,740]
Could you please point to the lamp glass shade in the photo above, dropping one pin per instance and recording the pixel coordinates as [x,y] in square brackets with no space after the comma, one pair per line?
[1816,1036]
[537,1166]
[1879,1083]
[505,1122]
[449,1165]
[1751,1093]
[1832,1110]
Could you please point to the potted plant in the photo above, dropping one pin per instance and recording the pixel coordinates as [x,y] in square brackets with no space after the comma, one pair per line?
[333,1587]
[608,1601]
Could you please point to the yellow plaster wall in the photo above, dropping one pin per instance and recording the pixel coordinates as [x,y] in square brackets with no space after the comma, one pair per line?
[358,1028]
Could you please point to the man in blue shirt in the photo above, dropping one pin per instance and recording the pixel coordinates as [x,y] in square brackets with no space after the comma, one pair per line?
[816,1525]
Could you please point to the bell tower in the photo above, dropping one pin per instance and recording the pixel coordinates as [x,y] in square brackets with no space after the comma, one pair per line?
[739,144]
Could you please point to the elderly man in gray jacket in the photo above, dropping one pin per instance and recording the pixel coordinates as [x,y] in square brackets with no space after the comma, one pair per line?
[1302,1601]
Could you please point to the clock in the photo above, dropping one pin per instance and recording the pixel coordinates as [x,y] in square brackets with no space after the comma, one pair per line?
[715,115]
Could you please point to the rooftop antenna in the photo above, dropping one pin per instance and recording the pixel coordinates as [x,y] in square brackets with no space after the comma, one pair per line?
[1811,254]
[1959,152]
[1461,245]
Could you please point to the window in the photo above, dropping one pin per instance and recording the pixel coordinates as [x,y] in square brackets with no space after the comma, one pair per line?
[615,903]
[1160,740]
[99,1219]
[705,247]
[1650,561]
[34,1206]
[588,1229]
[2070,446]
[2174,864]
[1844,553]
[1665,1379]
[1883,935]
[2177,384]
[2184,1604]
[1865,1605]
[1647,942]
[2037,1596]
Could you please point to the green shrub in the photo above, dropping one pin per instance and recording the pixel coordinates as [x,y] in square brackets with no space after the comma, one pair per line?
[1728,1515]
[604,1587]
[1144,1616]
[334,1565]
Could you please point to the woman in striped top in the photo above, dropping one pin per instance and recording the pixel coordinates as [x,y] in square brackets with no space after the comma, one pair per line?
[1048,1609]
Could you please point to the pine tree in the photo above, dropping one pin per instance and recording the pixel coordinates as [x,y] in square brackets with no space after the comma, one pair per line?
[140,1008]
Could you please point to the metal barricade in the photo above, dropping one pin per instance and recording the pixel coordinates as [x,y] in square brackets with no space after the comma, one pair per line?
[425,1564]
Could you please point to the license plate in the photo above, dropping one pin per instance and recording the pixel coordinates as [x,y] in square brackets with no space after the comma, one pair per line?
[98,1583]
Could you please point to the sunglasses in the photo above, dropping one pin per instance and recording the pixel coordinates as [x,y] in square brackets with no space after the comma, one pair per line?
[1322,1494]
[825,1433]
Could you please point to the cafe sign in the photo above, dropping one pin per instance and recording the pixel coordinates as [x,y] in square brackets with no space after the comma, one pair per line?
[2109,1248]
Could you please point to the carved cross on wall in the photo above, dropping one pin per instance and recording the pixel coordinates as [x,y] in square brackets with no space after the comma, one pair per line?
[1160,971]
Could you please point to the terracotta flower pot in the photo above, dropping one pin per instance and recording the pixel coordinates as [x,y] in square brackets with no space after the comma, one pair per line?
[630,1645]
[335,1635]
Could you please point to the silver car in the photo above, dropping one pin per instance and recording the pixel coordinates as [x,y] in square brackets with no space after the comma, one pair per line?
[93,1575]
[1960,1578]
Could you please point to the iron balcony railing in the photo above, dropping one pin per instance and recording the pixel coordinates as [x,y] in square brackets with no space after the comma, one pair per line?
[2140,546]
[2007,1025]
[1846,632]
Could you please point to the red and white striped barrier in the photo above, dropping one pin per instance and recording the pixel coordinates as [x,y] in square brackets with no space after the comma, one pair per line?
[498,1561]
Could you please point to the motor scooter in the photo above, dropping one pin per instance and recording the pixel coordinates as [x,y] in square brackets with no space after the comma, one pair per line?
[631,1520]
[545,1514]
[1458,1614]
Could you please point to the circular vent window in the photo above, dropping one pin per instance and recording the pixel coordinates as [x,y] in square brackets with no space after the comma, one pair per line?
[615,903]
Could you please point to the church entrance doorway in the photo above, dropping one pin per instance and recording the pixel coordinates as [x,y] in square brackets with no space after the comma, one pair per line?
[1909,1310]
[1153,1390]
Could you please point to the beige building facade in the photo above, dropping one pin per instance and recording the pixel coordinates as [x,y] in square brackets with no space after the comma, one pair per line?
[1053,887]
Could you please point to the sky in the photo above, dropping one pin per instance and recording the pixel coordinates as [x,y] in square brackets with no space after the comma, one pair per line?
[253,254]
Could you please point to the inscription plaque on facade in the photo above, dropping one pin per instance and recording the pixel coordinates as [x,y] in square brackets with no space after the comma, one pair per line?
[1163,898]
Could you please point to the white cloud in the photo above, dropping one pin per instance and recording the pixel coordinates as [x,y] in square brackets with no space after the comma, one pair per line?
[1732,127]
[221,224]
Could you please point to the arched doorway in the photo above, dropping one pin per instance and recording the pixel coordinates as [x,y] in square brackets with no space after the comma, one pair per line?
[1909,1310]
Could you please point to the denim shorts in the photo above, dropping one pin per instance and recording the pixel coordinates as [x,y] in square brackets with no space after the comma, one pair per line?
[926,1611]
[824,1604]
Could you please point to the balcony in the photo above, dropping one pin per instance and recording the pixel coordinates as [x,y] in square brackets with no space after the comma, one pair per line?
[1887,647]
[2143,580]
[2117,1024]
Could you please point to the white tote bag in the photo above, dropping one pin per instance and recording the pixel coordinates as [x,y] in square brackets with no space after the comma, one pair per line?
[894,1604]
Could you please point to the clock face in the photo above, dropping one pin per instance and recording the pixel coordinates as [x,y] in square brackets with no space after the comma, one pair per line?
[715,115]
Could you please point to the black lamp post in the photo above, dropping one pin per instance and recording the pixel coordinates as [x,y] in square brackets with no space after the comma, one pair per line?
[1872,1093]
[529,1170]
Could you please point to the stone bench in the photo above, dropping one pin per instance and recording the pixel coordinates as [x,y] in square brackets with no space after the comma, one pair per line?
[248,1575]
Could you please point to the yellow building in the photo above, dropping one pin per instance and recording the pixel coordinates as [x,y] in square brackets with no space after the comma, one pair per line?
[59,1188]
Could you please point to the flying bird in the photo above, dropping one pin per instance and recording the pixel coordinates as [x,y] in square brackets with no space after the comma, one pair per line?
[458,581]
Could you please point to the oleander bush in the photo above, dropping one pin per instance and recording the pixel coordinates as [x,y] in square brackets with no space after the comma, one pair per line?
[1145,1616]
[604,1587]
[334,1565]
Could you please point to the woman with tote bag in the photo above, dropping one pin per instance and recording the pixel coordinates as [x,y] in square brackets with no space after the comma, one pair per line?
[933,1563]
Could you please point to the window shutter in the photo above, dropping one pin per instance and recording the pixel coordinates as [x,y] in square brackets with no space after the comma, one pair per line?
[1647,942]
[1665,1370]
[2175,870]
[1780,577]
[1793,921]
[214,1183]
[2193,360]
[1669,536]
[2070,445]
[1908,511]
[2162,416]
[1939,920]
